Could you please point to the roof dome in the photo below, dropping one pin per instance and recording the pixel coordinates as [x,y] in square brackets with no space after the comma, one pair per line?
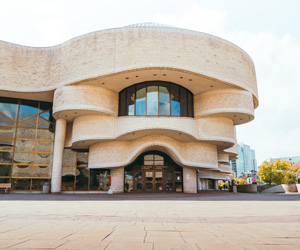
[149,24]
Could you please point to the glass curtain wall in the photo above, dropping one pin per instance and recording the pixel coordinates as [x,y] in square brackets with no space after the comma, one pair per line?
[156,99]
[77,176]
[26,143]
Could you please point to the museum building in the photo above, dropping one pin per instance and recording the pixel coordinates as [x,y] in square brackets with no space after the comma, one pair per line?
[141,108]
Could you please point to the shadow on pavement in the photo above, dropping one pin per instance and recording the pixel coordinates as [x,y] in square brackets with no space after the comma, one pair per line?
[202,196]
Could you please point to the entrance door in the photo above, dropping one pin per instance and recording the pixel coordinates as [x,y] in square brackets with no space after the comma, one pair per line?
[138,181]
[159,181]
[149,180]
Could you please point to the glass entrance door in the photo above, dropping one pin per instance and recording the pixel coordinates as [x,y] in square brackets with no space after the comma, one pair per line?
[149,181]
[138,181]
[159,181]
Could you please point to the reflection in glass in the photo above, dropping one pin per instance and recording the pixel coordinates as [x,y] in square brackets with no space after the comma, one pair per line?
[138,176]
[37,184]
[82,178]
[44,146]
[128,181]
[4,180]
[152,100]
[6,157]
[130,100]
[156,98]
[22,171]
[104,180]
[140,102]
[45,134]
[41,171]
[94,179]
[69,157]
[164,99]
[27,109]
[28,122]
[148,187]
[21,184]
[149,175]
[5,170]
[68,179]
[178,187]
[158,176]
[25,145]
[26,133]
[139,187]
[45,159]
[175,101]
[23,158]
[159,187]
[7,132]
[82,158]
[8,111]
[6,144]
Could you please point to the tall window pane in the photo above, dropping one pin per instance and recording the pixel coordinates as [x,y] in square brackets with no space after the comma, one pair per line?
[183,102]
[164,99]
[152,99]
[175,101]
[140,102]
[130,100]
[122,101]
[8,111]
[190,105]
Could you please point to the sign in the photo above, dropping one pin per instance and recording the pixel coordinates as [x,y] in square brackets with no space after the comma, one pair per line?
[253,179]
[249,180]
[187,176]
[149,174]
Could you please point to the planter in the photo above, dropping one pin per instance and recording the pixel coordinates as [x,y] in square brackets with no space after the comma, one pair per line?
[250,188]
[288,188]
[298,187]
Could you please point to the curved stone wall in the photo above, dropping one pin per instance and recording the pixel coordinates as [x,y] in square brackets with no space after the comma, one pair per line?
[232,103]
[112,154]
[109,52]
[93,128]
[73,101]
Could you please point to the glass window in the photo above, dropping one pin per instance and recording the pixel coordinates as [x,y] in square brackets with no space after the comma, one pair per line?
[190,105]
[28,109]
[37,184]
[26,133]
[8,111]
[25,145]
[152,99]
[22,171]
[140,101]
[128,181]
[44,146]
[41,171]
[175,101]
[21,183]
[23,158]
[94,179]
[68,178]
[130,100]
[164,99]
[6,157]
[7,132]
[69,157]
[6,144]
[104,180]
[122,101]
[156,98]
[5,170]
[43,159]
[82,158]
[82,178]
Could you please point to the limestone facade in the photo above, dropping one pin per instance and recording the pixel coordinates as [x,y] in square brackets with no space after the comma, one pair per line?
[83,78]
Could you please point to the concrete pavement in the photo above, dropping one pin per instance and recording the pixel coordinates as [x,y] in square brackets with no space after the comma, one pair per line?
[207,220]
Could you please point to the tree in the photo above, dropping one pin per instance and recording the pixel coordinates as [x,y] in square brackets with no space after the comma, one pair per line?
[268,171]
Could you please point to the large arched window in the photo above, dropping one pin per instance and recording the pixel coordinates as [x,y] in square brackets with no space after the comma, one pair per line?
[156,98]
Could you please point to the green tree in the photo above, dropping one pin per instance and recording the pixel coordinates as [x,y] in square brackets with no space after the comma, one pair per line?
[268,171]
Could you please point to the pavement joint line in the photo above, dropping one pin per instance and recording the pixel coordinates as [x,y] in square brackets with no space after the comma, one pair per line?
[18,243]
[61,244]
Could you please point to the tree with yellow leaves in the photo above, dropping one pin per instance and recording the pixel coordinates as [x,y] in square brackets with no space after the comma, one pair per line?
[269,173]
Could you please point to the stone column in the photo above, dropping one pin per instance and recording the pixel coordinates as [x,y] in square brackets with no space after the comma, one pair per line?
[59,144]
[216,185]
[117,180]
[189,180]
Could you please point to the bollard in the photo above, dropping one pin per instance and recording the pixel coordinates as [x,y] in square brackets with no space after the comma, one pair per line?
[234,189]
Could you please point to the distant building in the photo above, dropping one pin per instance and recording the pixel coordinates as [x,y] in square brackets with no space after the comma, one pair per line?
[246,162]
[292,159]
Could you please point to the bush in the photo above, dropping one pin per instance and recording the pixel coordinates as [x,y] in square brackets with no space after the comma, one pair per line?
[290,181]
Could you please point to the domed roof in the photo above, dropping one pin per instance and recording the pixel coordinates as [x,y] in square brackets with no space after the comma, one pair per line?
[149,24]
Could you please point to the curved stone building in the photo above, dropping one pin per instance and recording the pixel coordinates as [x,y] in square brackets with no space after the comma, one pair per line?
[142,108]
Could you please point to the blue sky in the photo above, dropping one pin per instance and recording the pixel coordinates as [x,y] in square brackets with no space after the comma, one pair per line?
[267,30]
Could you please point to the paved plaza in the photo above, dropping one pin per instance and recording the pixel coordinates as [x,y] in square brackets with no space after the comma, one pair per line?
[210,220]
